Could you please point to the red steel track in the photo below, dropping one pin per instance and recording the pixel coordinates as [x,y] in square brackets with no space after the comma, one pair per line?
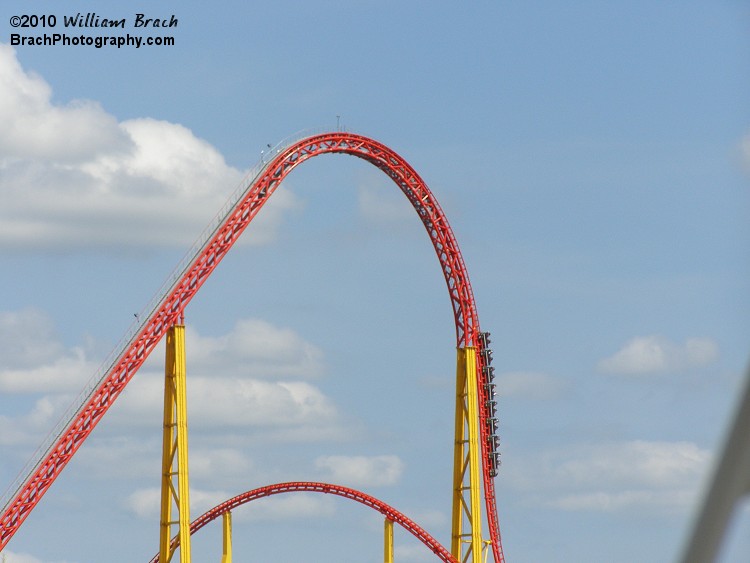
[199,268]
[388,511]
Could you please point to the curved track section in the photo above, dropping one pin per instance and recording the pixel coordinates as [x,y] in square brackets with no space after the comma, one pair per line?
[310,487]
[202,263]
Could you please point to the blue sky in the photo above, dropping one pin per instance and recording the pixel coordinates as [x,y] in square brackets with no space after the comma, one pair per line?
[593,159]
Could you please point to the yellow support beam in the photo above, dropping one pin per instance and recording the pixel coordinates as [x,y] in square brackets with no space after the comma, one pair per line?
[466,523]
[226,520]
[388,542]
[175,491]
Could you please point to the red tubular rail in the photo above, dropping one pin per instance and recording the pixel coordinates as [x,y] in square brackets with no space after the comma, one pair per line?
[170,308]
[310,487]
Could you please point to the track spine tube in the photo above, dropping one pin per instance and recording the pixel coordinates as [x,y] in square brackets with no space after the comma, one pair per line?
[326,488]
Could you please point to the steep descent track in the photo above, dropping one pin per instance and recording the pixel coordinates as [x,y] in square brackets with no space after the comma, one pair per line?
[202,263]
[295,487]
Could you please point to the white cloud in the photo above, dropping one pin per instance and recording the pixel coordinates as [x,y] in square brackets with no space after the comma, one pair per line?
[122,457]
[203,500]
[529,385]
[237,402]
[292,506]
[135,458]
[656,354]
[638,462]
[615,501]
[73,177]
[32,127]
[660,476]
[32,360]
[216,402]
[30,428]
[362,471]
[744,147]
[381,206]
[63,374]
[12,557]
[219,464]
[223,389]
[146,503]
[428,519]
[27,338]
[255,347]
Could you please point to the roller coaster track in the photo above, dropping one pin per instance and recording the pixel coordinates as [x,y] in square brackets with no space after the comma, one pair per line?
[191,274]
[294,487]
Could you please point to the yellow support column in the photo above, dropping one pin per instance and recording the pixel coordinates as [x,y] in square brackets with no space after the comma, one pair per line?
[226,519]
[388,542]
[175,490]
[466,534]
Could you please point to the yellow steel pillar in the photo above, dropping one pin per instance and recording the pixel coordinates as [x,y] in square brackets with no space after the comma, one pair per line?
[226,519]
[388,542]
[466,535]
[174,483]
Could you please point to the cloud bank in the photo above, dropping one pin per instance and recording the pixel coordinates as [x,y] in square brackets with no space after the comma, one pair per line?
[73,176]
[658,477]
[253,376]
